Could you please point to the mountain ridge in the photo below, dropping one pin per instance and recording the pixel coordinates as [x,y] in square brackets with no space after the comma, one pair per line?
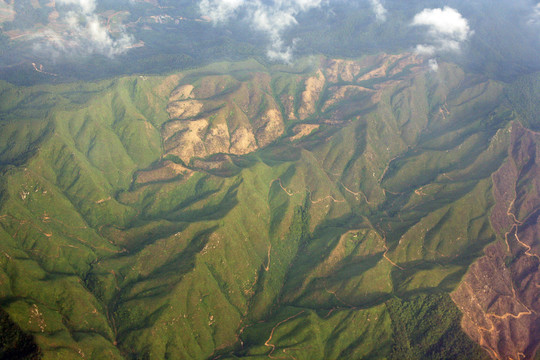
[145,238]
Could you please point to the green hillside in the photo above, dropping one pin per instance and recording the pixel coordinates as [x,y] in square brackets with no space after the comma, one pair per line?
[328,239]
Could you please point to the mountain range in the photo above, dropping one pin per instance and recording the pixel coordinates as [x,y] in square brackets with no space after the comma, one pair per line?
[338,208]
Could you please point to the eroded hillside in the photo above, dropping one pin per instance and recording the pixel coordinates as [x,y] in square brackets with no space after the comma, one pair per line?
[240,211]
[499,295]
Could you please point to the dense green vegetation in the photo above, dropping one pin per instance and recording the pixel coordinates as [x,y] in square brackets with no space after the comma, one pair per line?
[524,94]
[342,244]
[427,327]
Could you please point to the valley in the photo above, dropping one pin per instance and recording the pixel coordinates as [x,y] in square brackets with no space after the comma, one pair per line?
[330,209]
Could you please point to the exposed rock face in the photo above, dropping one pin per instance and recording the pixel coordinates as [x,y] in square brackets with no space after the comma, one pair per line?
[288,106]
[345,70]
[242,141]
[302,130]
[382,70]
[215,85]
[232,123]
[222,114]
[372,69]
[269,127]
[184,109]
[217,139]
[311,95]
[499,296]
[369,68]
[182,93]
[187,142]
[340,93]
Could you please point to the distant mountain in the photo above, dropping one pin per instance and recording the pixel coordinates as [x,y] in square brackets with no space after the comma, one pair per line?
[369,208]
[47,41]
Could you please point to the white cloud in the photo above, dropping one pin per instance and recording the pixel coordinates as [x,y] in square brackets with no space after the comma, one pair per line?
[271,18]
[220,11]
[433,65]
[446,30]
[534,19]
[378,9]
[86,6]
[83,33]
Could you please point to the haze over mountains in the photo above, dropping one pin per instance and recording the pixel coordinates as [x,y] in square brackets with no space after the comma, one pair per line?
[72,38]
[269,179]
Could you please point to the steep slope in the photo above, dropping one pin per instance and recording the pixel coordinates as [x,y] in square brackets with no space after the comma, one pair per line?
[89,141]
[235,210]
[499,295]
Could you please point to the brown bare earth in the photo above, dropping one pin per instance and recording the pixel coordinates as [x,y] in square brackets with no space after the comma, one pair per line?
[302,130]
[181,93]
[345,70]
[269,127]
[188,140]
[340,93]
[310,96]
[499,294]
[288,105]
[381,70]
[220,114]
[242,141]
[184,109]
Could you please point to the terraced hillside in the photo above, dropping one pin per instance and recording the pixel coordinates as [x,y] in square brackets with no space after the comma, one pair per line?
[325,211]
